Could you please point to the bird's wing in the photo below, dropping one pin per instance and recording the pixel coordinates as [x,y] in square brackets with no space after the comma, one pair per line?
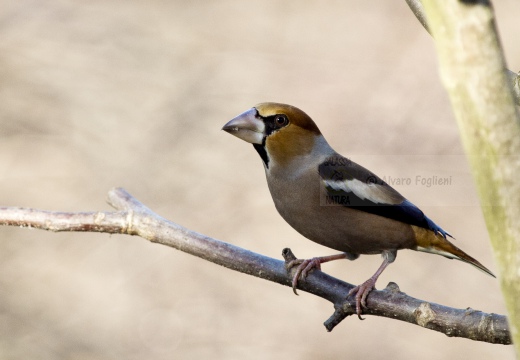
[351,185]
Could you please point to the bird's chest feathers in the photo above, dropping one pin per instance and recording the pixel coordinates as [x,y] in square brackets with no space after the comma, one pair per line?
[294,192]
[292,174]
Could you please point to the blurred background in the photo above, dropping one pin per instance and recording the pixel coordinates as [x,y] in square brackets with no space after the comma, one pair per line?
[129,93]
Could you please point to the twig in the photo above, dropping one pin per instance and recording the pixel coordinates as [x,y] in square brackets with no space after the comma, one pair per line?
[133,218]
[418,10]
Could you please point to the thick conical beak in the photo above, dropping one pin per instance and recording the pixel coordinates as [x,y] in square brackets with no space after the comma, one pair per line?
[247,126]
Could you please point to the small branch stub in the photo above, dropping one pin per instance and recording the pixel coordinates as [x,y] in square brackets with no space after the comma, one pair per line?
[424,314]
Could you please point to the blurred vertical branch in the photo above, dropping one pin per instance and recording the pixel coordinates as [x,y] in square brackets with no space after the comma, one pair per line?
[473,70]
[418,10]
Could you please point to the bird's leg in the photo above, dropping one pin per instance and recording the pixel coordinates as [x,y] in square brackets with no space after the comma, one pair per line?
[306,265]
[362,291]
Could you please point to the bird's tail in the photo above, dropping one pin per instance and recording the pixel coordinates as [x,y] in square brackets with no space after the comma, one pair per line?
[438,244]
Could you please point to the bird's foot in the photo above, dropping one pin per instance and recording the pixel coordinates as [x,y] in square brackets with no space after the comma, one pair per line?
[361,292]
[304,267]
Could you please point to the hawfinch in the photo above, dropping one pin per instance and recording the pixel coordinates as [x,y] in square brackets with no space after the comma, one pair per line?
[333,201]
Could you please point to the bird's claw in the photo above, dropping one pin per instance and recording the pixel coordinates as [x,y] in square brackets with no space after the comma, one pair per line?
[305,266]
[361,292]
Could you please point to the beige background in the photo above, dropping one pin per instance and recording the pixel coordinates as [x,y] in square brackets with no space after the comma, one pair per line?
[131,93]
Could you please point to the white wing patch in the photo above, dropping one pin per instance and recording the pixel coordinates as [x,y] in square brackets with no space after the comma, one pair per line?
[432,250]
[369,191]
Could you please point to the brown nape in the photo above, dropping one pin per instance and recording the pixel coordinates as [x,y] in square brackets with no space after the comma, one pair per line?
[296,116]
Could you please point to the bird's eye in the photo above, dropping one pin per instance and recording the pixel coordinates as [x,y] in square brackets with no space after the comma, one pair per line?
[281,120]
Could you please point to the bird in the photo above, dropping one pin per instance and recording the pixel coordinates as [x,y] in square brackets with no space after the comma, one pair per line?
[332,200]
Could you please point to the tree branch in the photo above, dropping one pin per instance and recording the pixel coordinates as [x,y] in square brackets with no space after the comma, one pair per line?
[418,10]
[133,218]
[472,68]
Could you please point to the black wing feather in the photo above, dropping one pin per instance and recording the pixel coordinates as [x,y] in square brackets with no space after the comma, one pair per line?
[351,185]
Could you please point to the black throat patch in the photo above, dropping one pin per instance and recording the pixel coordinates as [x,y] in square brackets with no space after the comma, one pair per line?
[260,149]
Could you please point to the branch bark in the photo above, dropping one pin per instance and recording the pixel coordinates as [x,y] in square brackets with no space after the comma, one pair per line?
[133,218]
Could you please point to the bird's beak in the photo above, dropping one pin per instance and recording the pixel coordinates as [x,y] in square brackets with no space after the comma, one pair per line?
[247,126]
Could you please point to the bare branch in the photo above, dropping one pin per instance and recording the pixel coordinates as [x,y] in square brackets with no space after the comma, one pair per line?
[418,10]
[134,218]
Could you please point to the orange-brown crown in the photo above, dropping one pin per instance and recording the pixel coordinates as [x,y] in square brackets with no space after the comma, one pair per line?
[296,116]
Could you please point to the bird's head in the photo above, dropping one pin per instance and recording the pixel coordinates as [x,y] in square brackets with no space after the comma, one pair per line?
[279,132]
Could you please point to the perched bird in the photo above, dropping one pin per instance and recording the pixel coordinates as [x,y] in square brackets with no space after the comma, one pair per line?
[333,201]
